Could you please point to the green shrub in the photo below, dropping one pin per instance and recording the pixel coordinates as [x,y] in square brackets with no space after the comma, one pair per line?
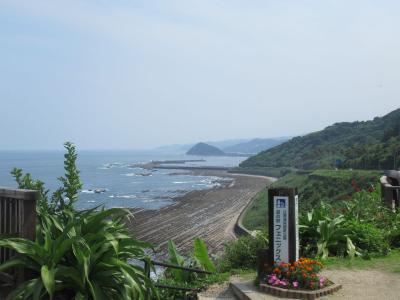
[199,284]
[394,238]
[323,233]
[308,229]
[242,253]
[367,237]
[361,225]
[394,230]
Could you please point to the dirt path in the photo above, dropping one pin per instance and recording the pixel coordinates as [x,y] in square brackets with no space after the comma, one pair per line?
[207,214]
[364,284]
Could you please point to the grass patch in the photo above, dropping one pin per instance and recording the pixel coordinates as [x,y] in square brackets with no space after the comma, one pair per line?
[256,215]
[389,263]
[348,174]
[264,171]
[296,179]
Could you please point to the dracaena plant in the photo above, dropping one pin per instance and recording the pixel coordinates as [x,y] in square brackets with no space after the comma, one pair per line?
[77,254]
[323,234]
[182,278]
[199,259]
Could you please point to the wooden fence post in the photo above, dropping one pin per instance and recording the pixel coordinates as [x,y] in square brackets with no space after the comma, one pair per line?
[17,219]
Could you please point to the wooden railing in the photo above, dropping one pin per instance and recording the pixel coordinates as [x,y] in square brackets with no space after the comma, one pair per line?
[17,216]
[390,186]
[171,266]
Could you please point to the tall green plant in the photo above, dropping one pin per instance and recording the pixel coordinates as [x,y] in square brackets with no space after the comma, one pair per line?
[201,256]
[332,234]
[71,183]
[77,254]
[323,234]
[199,259]
[175,258]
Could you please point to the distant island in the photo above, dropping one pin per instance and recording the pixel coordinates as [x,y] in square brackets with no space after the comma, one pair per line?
[204,149]
[232,147]
[235,147]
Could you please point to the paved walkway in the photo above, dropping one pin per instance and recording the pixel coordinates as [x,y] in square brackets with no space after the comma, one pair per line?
[356,285]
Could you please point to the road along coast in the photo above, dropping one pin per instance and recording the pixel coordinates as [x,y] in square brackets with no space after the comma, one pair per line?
[207,214]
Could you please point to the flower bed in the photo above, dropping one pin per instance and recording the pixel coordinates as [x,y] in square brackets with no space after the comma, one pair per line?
[298,279]
[302,274]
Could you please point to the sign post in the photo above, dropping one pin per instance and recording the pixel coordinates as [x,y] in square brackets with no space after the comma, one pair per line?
[283,225]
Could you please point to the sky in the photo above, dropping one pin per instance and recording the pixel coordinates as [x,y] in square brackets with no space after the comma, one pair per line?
[119,74]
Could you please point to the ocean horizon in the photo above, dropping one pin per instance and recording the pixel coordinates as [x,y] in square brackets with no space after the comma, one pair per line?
[111,173]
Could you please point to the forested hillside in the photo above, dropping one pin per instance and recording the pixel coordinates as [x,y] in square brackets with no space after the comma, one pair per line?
[371,144]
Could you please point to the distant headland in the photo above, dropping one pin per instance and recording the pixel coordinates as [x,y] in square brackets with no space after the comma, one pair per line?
[204,149]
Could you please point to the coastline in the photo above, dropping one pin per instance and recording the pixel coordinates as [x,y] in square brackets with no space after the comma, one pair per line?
[208,214]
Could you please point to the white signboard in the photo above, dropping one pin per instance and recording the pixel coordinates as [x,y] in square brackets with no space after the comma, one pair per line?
[296,217]
[281,229]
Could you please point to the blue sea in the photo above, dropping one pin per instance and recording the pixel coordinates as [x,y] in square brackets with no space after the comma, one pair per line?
[123,185]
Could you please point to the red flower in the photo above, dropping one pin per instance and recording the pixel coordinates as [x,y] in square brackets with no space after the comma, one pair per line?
[355,186]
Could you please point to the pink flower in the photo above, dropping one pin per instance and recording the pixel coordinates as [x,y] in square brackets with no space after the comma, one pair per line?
[322,281]
[295,284]
[272,279]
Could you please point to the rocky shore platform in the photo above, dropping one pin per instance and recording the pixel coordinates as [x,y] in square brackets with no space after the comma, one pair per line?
[207,214]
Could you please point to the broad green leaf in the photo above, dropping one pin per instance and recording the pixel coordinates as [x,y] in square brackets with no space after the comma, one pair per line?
[174,255]
[80,296]
[176,259]
[71,274]
[201,255]
[27,290]
[12,263]
[48,280]
[351,249]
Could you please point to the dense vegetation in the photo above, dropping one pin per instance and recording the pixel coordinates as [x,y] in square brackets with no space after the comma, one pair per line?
[330,186]
[361,226]
[76,254]
[358,226]
[372,144]
[341,213]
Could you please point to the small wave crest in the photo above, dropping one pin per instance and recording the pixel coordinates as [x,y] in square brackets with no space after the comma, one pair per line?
[87,191]
[137,174]
[123,196]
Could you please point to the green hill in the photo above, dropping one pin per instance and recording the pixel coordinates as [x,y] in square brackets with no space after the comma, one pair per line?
[371,144]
